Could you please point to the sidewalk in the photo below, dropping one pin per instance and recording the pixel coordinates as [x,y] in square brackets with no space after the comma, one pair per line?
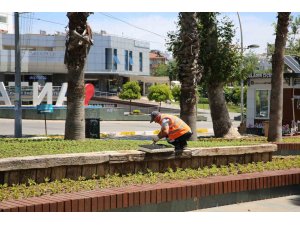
[282,204]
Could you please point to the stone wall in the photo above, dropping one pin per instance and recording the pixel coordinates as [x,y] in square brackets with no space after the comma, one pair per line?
[20,169]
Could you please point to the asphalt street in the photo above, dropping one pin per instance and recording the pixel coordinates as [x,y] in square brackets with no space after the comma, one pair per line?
[36,127]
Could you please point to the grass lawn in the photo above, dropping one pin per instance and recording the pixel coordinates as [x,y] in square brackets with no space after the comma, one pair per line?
[11,147]
[230,107]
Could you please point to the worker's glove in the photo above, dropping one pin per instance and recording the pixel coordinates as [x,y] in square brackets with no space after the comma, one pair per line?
[155,138]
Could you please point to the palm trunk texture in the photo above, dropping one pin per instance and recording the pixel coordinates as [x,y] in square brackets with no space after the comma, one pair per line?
[219,112]
[77,47]
[276,103]
[188,69]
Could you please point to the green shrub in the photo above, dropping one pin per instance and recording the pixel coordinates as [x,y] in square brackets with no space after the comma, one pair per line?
[160,93]
[176,92]
[203,100]
[233,94]
[136,111]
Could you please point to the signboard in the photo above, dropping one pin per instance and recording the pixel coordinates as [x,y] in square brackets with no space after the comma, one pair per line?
[38,93]
[37,77]
[44,108]
[257,75]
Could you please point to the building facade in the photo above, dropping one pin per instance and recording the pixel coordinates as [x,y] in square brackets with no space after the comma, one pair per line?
[111,62]
[5,22]
[156,59]
[259,93]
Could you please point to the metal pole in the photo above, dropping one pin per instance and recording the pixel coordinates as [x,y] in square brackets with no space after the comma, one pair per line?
[18,97]
[45,116]
[242,80]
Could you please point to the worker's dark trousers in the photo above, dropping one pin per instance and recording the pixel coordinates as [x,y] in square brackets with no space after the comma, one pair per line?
[180,142]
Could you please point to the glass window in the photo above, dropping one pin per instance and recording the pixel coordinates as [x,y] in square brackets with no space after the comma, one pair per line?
[262,104]
[116,60]
[108,58]
[141,61]
[126,60]
[3,19]
[130,60]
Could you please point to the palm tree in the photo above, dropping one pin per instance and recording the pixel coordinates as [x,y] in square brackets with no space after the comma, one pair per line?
[220,61]
[185,48]
[275,126]
[78,42]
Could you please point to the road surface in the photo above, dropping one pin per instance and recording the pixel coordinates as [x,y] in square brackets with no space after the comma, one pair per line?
[35,127]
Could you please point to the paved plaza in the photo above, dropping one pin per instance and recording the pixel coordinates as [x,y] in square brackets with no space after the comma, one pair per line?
[282,204]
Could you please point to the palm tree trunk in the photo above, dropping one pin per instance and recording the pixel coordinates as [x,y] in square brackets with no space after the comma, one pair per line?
[75,119]
[189,72]
[78,42]
[222,124]
[276,104]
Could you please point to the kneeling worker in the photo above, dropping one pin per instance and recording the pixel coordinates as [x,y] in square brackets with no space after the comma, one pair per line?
[175,130]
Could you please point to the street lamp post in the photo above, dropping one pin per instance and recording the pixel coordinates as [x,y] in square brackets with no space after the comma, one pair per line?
[242,80]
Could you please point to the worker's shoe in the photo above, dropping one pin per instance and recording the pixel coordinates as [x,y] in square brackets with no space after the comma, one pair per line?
[179,150]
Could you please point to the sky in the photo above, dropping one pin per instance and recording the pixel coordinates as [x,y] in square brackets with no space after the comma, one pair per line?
[141,21]
[153,26]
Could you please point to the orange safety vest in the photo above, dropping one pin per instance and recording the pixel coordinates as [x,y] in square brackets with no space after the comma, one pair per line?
[177,127]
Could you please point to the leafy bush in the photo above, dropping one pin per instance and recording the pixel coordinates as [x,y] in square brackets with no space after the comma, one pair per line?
[233,94]
[160,93]
[136,111]
[130,91]
[203,101]
[176,92]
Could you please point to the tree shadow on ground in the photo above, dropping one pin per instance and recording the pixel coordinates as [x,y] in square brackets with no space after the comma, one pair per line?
[295,200]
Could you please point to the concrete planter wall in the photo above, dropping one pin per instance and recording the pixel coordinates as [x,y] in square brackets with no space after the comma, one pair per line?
[19,170]
[288,149]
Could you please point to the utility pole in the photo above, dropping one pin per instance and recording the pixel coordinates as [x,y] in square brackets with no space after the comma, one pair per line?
[18,97]
[243,122]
